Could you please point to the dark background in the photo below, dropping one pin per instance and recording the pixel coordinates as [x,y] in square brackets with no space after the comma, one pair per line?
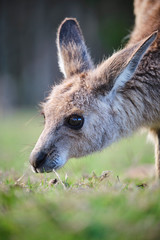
[28,55]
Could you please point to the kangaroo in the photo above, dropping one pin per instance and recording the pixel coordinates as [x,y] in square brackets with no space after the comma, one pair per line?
[95,106]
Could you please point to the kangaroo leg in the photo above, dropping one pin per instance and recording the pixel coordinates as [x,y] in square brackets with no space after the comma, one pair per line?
[157,153]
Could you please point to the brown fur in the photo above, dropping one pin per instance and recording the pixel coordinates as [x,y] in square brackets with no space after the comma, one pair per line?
[147,20]
[147,13]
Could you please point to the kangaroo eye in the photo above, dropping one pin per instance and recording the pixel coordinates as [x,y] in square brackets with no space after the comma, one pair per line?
[74,122]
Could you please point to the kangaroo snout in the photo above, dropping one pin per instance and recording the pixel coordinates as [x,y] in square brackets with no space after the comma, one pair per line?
[42,161]
[37,160]
[47,156]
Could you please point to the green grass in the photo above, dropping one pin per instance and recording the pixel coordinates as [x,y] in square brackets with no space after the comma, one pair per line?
[91,206]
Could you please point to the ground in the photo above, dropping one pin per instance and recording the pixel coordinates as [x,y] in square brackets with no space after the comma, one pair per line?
[98,197]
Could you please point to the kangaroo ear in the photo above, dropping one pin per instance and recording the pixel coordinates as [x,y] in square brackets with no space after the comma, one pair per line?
[129,70]
[72,51]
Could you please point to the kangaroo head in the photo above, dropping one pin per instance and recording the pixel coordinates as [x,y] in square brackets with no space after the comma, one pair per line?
[79,113]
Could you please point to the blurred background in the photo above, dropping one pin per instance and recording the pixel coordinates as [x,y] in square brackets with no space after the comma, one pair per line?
[28,55]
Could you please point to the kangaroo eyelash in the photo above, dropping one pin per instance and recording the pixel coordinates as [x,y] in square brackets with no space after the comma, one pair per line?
[42,113]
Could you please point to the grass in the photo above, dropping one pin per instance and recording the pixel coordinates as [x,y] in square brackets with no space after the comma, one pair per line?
[92,205]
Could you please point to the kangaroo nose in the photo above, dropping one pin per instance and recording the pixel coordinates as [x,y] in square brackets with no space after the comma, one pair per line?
[36,160]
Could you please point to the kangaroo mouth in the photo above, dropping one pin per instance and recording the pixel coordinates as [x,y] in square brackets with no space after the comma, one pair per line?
[42,162]
[45,168]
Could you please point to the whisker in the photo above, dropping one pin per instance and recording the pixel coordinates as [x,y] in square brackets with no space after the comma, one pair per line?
[31,119]
[24,174]
[64,187]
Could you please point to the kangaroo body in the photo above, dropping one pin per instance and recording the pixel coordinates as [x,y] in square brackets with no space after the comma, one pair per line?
[96,106]
[148,73]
